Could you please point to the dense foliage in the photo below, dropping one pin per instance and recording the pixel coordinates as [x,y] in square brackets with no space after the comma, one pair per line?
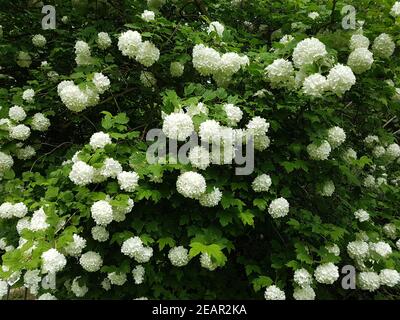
[320,102]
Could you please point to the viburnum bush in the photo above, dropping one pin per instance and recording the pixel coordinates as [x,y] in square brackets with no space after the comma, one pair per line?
[315,91]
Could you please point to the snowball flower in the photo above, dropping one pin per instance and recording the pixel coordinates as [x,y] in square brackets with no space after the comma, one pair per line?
[340,79]
[395,11]
[306,293]
[77,290]
[207,263]
[359,41]
[274,293]
[211,199]
[210,131]
[38,221]
[313,15]
[81,173]
[383,46]
[133,248]
[117,279]
[19,210]
[287,38]
[40,122]
[129,43]
[257,126]
[103,40]
[334,249]
[179,256]
[389,277]
[308,51]
[280,72]
[178,126]
[262,183]
[148,15]
[319,151]
[128,181]
[17,113]
[75,247]
[20,132]
[101,82]
[393,151]
[28,95]
[176,69]
[205,60]
[278,208]
[315,85]
[336,137]
[6,210]
[47,296]
[327,188]
[191,185]
[91,261]
[233,113]
[349,155]
[147,54]
[390,230]
[6,162]
[381,248]
[368,281]
[111,168]
[326,273]
[358,249]
[39,40]
[199,157]
[72,96]
[100,233]
[53,261]
[217,27]
[138,274]
[99,140]
[378,151]
[302,278]
[361,215]
[360,60]
[102,212]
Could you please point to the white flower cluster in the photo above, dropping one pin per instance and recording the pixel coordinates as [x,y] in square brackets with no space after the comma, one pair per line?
[306,293]
[208,61]
[78,290]
[278,208]
[361,215]
[138,274]
[340,79]
[358,249]
[128,181]
[81,173]
[383,46]
[75,248]
[207,263]
[191,185]
[100,233]
[326,273]
[211,199]
[319,151]
[91,261]
[130,44]
[38,221]
[315,85]
[368,281]
[148,15]
[360,60]
[380,249]
[103,40]
[20,132]
[99,140]
[395,11]
[262,183]
[302,278]
[327,188]
[216,27]
[233,113]
[148,79]
[39,40]
[280,73]
[308,51]
[358,41]
[199,157]
[390,230]
[178,126]
[176,69]
[389,277]
[53,261]
[178,256]
[134,248]
[9,210]
[102,212]
[28,95]
[117,279]
[336,137]
[82,52]
[392,151]
[40,122]
[274,293]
